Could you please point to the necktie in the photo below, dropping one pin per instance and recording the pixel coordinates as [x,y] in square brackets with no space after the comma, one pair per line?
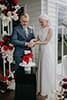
[26,31]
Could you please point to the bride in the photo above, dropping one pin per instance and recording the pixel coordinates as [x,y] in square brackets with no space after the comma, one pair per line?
[46,64]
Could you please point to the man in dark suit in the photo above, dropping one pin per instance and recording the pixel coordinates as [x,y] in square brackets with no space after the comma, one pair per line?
[21,37]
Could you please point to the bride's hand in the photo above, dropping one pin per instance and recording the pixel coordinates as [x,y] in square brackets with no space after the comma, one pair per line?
[33,40]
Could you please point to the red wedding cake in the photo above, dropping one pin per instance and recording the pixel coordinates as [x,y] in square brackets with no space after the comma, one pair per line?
[27,59]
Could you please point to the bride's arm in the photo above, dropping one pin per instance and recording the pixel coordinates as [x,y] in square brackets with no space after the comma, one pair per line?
[35,39]
[47,40]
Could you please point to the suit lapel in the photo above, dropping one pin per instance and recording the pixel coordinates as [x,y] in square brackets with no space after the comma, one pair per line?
[23,32]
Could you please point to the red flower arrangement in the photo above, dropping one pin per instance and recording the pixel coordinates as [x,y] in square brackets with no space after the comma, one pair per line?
[9,8]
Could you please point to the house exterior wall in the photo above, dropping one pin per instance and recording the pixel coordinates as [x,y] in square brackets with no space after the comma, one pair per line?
[44,6]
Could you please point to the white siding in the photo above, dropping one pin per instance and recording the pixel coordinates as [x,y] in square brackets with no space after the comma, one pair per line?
[44,5]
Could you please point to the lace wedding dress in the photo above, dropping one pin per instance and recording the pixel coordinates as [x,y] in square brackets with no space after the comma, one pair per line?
[46,72]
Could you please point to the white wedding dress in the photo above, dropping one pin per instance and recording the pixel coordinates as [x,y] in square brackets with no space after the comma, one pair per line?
[46,71]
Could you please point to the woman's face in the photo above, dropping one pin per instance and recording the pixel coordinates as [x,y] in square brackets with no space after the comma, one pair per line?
[43,23]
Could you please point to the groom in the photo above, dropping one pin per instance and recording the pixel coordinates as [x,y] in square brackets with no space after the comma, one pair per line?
[21,37]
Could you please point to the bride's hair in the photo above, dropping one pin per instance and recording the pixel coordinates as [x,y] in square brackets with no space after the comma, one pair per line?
[44,17]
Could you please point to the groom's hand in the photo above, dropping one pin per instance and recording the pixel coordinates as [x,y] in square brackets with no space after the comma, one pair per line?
[31,44]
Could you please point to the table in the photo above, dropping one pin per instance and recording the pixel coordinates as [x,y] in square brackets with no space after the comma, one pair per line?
[25,83]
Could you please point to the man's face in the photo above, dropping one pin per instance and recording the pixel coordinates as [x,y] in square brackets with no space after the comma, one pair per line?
[24,21]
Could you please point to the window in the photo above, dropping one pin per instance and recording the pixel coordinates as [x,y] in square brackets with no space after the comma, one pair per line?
[62,33]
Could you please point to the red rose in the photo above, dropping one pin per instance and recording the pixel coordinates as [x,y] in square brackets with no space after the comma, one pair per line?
[64,86]
[5,78]
[5,38]
[5,11]
[65,79]
[11,47]
[15,1]
[5,48]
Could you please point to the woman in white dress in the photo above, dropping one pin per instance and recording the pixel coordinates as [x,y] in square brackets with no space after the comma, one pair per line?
[47,68]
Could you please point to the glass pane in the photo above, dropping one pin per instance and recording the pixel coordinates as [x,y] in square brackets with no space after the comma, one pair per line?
[59,45]
[65,41]
[62,21]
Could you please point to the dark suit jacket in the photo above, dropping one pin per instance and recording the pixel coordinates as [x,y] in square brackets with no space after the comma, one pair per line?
[19,38]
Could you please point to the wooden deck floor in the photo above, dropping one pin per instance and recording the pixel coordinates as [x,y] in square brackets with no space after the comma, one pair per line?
[9,95]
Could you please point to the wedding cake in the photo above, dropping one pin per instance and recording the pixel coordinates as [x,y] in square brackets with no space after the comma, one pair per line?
[27,60]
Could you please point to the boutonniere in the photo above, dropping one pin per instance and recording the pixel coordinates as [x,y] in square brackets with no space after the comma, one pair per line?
[31,29]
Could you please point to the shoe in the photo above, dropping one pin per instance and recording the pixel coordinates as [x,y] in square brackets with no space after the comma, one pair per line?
[2,91]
